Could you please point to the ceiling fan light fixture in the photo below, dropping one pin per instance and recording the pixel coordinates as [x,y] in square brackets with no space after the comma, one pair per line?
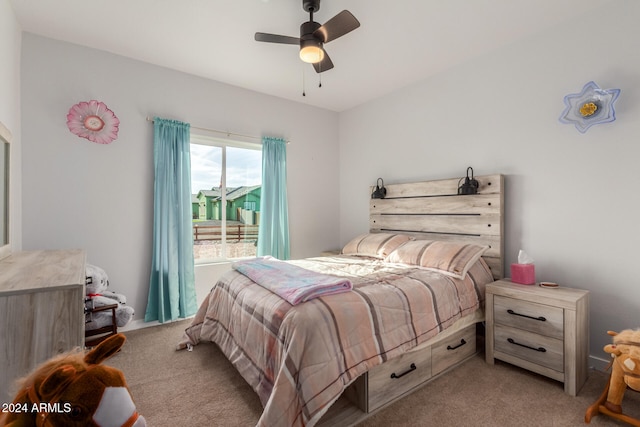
[311,51]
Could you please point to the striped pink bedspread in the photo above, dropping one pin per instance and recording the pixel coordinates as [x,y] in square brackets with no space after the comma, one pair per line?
[289,281]
[300,358]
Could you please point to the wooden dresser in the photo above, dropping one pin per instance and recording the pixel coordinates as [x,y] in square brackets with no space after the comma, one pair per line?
[543,330]
[41,310]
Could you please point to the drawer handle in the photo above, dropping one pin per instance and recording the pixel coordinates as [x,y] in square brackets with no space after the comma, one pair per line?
[540,318]
[462,342]
[540,349]
[411,369]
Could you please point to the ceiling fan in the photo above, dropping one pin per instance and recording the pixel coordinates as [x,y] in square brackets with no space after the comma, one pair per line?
[313,35]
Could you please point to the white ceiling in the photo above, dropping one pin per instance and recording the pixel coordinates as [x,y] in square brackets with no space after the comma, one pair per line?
[398,43]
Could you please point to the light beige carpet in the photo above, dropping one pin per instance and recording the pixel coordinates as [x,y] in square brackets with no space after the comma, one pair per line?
[201,388]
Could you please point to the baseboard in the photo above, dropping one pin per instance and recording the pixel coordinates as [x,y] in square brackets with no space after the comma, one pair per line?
[141,324]
[598,363]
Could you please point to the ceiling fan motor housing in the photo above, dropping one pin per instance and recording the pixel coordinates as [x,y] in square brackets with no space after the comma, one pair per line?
[307,29]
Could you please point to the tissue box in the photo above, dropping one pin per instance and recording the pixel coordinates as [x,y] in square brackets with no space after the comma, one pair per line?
[525,274]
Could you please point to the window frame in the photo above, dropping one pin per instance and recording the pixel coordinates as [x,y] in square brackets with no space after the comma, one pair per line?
[200,139]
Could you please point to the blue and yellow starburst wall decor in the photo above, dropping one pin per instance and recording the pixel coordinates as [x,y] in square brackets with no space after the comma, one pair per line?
[590,107]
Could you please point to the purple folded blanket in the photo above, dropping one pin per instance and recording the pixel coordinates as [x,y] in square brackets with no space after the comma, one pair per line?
[292,283]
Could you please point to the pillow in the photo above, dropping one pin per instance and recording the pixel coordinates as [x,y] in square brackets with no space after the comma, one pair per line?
[377,245]
[450,258]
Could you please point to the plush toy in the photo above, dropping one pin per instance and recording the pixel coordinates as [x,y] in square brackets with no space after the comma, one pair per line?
[96,289]
[625,372]
[74,389]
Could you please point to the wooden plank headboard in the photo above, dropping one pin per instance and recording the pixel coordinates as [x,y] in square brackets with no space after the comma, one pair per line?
[433,210]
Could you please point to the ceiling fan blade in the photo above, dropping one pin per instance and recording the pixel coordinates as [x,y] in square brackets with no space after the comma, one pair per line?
[324,65]
[341,24]
[275,38]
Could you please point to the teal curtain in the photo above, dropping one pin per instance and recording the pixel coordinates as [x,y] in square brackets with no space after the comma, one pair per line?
[172,292]
[273,234]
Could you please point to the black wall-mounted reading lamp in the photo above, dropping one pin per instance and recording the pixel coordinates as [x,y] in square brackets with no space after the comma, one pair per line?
[380,192]
[470,185]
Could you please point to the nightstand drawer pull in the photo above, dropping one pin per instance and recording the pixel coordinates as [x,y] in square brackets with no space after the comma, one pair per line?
[411,369]
[462,342]
[540,318]
[540,349]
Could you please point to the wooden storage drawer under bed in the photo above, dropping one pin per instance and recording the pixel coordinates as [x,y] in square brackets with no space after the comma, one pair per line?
[398,376]
[453,350]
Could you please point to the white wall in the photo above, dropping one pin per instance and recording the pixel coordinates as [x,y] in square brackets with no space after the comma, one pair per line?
[78,194]
[10,41]
[570,197]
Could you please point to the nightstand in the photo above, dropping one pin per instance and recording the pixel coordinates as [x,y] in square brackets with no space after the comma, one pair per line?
[544,330]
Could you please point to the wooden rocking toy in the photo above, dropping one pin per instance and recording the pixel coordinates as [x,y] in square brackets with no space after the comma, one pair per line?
[625,372]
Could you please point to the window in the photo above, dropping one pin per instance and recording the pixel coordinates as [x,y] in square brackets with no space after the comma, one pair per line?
[226,180]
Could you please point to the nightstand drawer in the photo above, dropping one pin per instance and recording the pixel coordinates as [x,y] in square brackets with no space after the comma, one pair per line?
[535,348]
[397,376]
[538,318]
[453,350]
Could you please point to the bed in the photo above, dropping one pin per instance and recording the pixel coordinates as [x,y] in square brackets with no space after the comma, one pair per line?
[416,296]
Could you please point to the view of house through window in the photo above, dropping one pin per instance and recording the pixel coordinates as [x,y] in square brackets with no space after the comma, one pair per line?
[226,180]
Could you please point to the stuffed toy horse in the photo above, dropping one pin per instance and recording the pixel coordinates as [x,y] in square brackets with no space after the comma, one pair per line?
[625,372]
[74,389]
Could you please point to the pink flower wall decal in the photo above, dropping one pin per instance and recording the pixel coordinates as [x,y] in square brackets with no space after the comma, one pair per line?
[94,121]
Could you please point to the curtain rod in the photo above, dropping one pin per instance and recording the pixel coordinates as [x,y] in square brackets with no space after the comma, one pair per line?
[149,119]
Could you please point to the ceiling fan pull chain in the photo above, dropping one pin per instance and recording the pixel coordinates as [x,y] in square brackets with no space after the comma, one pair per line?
[320,74]
[303,91]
